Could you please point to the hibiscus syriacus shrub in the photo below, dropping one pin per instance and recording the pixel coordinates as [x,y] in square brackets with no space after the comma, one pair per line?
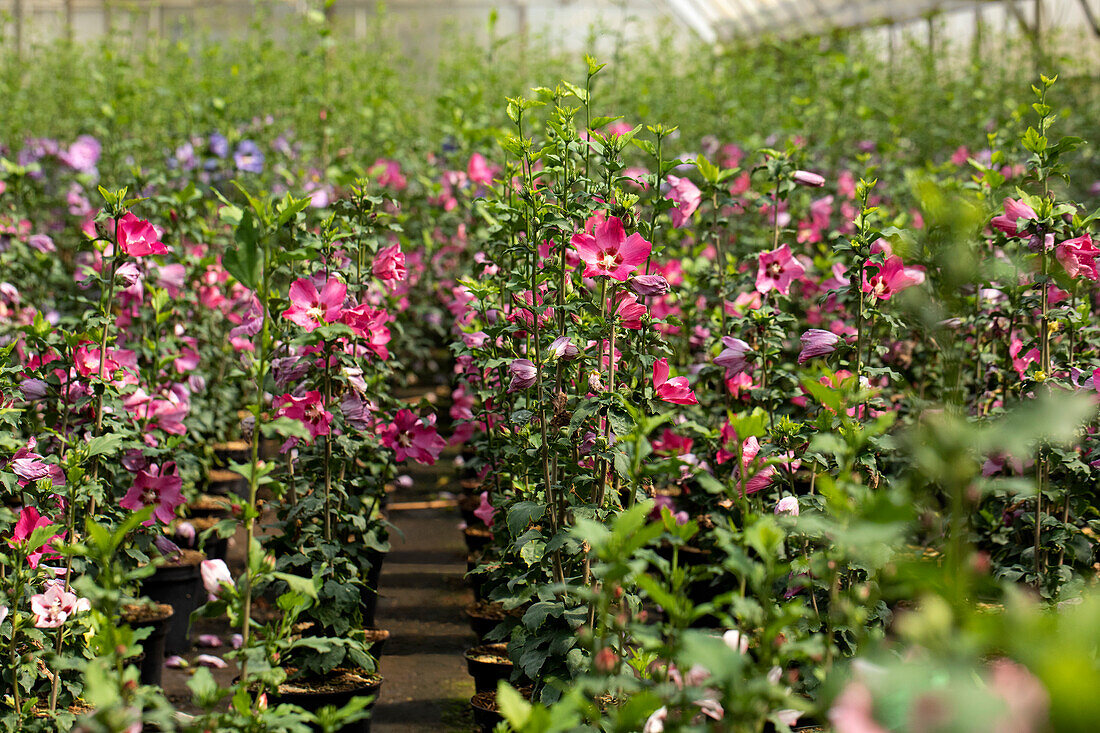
[746,345]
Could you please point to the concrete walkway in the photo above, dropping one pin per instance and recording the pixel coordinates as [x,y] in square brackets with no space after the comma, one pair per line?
[426,686]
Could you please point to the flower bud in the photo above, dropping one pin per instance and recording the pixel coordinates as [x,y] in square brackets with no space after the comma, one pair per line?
[807,178]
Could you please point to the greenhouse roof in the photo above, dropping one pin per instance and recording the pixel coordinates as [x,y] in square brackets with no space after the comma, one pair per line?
[714,20]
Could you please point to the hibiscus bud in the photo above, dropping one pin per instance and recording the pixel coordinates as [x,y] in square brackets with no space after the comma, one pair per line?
[736,641]
[787,505]
[646,285]
[563,348]
[33,389]
[261,701]
[237,641]
[734,356]
[167,547]
[817,342]
[806,178]
[127,274]
[524,373]
[215,573]
[186,532]
[210,641]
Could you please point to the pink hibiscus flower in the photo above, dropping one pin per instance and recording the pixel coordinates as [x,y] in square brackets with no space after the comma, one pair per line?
[389,263]
[156,487]
[675,390]
[30,520]
[410,437]
[1014,211]
[687,197]
[309,409]
[310,309]
[776,270]
[370,324]
[1078,256]
[890,278]
[138,238]
[609,252]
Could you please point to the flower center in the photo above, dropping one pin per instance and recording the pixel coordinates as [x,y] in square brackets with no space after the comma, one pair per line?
[316,313]
[610,260]
[775,269]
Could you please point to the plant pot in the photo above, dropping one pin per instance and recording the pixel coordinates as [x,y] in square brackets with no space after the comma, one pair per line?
[206,505]
[376,641]
[486,713]
[368,598]
[156,617]
[238,451]
[179,585]
[488,664]
[336,689]
[220,482]
[485,616]
[477,537]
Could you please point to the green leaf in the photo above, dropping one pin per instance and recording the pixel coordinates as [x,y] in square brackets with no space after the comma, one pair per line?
[512,706]
[298,584]
[104,444]
[522,514]
[244,261]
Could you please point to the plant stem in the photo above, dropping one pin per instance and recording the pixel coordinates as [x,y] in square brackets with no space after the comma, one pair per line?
[253,479]
[328,447]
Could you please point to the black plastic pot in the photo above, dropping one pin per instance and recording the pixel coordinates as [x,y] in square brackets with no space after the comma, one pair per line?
[315,700]
[477,537]
[151,660]
[238,451]
[486,716]
[488,664]
[226,483]
[180,586]
[484,617]
[369,596]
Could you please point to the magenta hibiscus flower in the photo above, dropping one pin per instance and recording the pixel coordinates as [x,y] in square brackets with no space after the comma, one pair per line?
[311,309]
[137,237]
[675,390]
[156,487]
[29,521]
[410,437]
[609,252]
[309,409]
[890,278]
